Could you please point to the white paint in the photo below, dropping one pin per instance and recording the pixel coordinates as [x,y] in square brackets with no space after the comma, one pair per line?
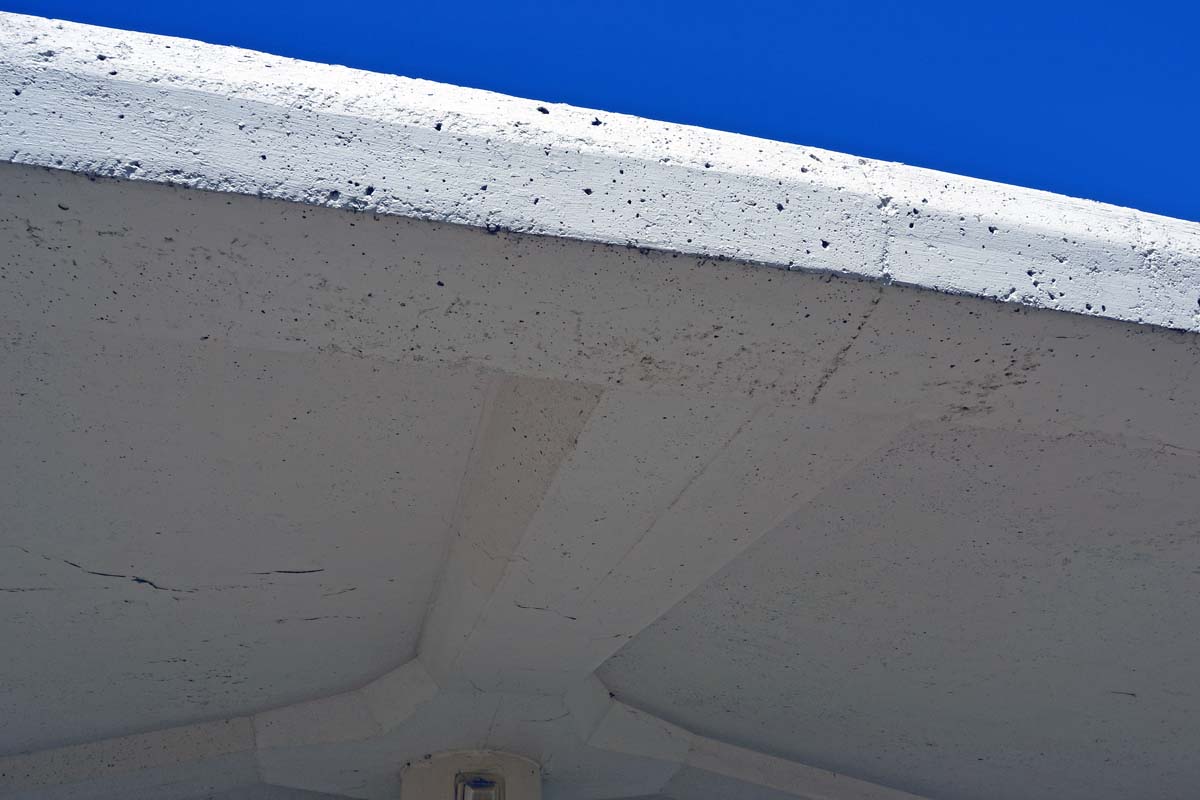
[381,705]
[782,387]
[549,621]
[230,120]
[529,458]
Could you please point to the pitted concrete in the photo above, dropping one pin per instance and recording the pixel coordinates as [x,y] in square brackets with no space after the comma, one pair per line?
[299,494]
[153,108]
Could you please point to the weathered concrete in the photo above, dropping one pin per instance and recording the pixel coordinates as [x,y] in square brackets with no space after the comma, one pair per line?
[153,108]
[297,495]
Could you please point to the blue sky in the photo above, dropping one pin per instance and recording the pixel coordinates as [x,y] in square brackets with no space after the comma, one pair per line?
[1097,100]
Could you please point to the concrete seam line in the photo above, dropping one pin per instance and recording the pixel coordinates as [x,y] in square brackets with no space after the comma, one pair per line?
[454,523]
[178,112]
[394,697]
[792,777]
[620,728]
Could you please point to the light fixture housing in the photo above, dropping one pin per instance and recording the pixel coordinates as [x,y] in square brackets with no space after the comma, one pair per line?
[478,786]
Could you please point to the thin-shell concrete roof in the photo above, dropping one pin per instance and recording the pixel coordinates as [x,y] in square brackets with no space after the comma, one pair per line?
[349,419]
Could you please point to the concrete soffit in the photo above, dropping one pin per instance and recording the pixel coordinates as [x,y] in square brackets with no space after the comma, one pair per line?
[491,672]
[281,747]
[149,108]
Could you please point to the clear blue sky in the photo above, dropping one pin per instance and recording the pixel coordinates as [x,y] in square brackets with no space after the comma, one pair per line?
[1098,100]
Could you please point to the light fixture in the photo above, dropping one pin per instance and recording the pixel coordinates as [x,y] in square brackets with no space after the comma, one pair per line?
[478,786]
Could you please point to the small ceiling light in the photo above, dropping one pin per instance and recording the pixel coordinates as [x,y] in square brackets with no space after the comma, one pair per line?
[478,786]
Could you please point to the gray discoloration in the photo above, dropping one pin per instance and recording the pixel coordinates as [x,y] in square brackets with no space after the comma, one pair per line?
[693,434]
[812,526]
[898,612]
[228,120]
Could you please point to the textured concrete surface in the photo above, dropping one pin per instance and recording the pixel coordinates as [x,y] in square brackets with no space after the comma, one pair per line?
[295,496]
[1003,612]
[162,507]
[153,108]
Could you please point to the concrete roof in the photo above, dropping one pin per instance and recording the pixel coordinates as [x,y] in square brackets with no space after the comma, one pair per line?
[683,463]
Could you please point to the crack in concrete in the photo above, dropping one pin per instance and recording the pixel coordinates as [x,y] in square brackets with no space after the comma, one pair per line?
[81,568]
[289,571]
[839,358]
[134,578]
[94,572]
[545,608]
[750,417]
[491,725]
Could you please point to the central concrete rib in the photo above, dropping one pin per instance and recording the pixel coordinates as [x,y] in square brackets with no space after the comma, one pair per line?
[554,568]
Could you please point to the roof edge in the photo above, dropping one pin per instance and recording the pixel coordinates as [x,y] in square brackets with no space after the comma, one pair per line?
[137,106]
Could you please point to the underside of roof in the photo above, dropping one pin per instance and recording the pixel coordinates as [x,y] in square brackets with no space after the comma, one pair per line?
[349,418]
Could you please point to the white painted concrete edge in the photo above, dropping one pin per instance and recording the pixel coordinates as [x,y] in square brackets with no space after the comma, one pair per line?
[143,107]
